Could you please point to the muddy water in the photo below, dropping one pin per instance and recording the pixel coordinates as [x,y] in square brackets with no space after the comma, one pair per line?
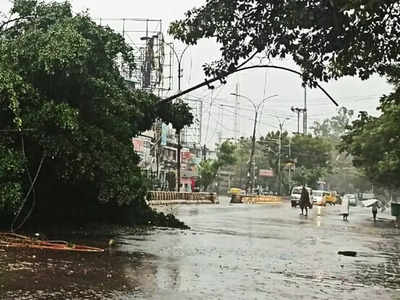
[231,252]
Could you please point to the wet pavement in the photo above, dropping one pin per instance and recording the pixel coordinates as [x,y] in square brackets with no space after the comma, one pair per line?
[240,251]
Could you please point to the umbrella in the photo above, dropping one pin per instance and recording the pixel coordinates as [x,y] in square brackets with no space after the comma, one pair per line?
[370,202]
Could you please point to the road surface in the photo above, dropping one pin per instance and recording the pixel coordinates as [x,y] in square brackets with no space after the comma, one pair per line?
[241,251]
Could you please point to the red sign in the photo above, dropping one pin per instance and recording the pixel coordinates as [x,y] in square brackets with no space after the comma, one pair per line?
[186,156]
[138,145]
[266,173]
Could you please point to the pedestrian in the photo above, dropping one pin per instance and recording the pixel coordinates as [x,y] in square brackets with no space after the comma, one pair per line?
[374,210]
[345,208]
[304,201]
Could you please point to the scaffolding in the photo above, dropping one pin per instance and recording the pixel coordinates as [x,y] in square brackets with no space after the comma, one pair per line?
[153,72]
[191,136]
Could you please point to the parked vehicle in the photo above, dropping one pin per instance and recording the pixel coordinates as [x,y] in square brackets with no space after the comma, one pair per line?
[296,193]
[318,197]
[352,199]
[330,198]
[235,191]
[236,195]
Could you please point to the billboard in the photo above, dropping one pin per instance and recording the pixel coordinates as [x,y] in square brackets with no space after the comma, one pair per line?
[186,156]
[164,132]
[266,173]
[138,145]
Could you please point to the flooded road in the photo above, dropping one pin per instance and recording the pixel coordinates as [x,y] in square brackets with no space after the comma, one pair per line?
[231,252]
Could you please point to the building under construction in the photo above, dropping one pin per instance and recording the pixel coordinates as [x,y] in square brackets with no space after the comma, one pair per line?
[153,68]
[156,61]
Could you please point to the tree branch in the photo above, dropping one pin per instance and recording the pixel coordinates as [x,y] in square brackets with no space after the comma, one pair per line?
[225,74]
[13,20]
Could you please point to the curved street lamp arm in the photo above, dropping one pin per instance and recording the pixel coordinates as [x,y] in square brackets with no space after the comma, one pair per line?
[172,49]
[264,100]
[183,52]
[178,58]
[248,99]
[281,123]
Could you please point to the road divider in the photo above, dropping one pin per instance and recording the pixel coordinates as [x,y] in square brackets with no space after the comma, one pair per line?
[164,198]
[256,199]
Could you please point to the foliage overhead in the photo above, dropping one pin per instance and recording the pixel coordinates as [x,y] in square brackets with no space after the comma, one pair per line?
[327,39]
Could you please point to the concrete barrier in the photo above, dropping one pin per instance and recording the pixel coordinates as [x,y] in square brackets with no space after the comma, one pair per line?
[256,199]
[164,198]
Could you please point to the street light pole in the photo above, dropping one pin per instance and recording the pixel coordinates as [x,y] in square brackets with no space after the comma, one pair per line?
[252,163]
[279,158]
[290,166]
[279,153]
[250,182]
[178,158]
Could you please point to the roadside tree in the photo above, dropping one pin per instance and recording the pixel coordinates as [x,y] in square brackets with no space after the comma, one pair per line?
[312,159]
[374,142]
[208,169]
[344,177]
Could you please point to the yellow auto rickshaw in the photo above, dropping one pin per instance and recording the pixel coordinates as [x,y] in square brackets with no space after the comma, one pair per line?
[236,195]
[330,198]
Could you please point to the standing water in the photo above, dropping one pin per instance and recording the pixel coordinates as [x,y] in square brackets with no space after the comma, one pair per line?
[232,251]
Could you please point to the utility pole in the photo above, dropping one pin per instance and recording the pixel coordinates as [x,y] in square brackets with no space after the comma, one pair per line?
[250,173]
[305,112]
[298,111]
[235,128]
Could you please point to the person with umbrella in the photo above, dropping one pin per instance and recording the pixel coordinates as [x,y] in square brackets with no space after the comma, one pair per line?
[374,204]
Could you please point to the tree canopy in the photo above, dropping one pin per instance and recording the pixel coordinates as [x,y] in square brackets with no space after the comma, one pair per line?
[344,177]
[334,127]
[312,159]
[327,39]
[374,142]
[208,169]
[66,107]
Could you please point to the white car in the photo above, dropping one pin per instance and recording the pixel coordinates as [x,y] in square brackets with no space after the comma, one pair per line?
[352,199]
[296,193]
[318,196]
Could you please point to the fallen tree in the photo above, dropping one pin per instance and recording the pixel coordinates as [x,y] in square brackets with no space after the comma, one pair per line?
[66,120]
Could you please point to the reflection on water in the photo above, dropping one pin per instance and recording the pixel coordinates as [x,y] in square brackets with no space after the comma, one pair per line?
[37,274]
[231,252]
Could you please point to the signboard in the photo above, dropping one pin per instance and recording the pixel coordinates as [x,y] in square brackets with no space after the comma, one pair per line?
[186,155]
[266,173]
[164,132]
[138,145]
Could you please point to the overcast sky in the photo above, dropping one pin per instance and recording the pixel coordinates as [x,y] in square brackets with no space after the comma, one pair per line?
[257,84]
